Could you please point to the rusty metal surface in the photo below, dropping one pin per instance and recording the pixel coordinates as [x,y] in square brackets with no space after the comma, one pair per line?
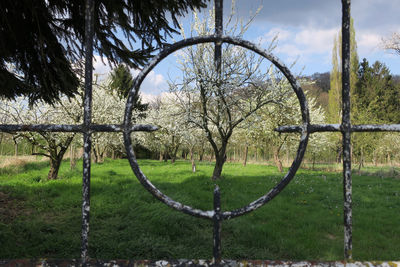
[217,218]
[346,131]
[195,262]
[75,128]
[313,128]
[87,120]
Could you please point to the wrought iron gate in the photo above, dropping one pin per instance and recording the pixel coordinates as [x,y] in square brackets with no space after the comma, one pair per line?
[216,215]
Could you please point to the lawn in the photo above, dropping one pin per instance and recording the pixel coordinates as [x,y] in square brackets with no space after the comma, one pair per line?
[41,219]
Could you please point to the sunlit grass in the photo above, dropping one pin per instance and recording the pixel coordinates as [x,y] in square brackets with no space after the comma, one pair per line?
[40,218]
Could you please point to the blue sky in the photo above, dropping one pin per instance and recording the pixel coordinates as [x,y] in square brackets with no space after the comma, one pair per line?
[305,30]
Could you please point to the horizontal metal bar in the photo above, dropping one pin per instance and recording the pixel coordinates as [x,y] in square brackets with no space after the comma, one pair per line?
[193,262]
[312,128]
[75,128]
[40,128]
[376,128]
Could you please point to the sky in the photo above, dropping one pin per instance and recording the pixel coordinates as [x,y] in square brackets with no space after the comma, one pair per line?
[305,30]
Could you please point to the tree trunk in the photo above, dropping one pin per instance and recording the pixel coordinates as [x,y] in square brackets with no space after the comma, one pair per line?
[361,161]
[390,160]
[16,149]
[174,152]
[55,164]
[201,154]
[165,156]
[161,156]
[246,152]
[220,158]
[98,153]
[313,161]
[56,157]
[113,153]
[287,156]
[219,163]
[192,160]
[339,155]
[277,160]
[94,152]
[101,156]
[72,159]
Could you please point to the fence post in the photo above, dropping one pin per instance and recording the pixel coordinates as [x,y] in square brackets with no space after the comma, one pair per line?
[346,130]
[89,27]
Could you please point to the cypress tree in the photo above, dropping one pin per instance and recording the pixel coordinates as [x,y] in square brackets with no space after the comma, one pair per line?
[335,92]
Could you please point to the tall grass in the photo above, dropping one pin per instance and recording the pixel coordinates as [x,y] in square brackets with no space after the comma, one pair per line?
[40,218]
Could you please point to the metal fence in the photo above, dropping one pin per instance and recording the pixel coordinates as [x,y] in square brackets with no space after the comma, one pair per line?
[216,215]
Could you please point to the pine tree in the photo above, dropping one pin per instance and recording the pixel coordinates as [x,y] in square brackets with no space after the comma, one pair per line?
[121,81]
[377,98]
[41,39]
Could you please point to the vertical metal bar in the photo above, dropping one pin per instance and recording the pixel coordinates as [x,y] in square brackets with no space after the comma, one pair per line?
[346,130]
[217,197]
[89,26]
[217,226]
[218,32]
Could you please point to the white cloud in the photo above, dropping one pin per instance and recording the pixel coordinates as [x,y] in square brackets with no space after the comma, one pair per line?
[154,83]
[368,42]
[301,42]
[315,40]
[100,68]
[281,33]
[289,49]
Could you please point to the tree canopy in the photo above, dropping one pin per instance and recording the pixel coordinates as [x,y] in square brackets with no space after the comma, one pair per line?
[121,81]
[40,40]
[376,97]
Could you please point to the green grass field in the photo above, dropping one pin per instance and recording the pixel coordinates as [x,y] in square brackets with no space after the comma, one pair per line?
[42,219]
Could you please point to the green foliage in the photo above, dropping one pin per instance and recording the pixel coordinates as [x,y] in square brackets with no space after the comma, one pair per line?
[121,80]
[39,40]
[334,104]
[376,97]
[335,92]
[41,219]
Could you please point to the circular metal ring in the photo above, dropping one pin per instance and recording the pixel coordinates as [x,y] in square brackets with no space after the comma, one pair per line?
[260,201]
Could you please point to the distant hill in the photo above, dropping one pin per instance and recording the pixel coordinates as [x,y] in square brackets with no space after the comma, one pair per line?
[318,85]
